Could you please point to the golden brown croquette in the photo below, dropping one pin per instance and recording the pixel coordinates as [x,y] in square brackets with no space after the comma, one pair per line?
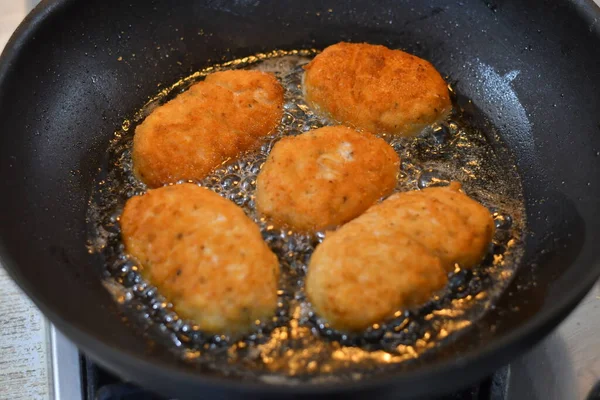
[213,121]
[396,255]
[204,254]
[375,88]
[325,177]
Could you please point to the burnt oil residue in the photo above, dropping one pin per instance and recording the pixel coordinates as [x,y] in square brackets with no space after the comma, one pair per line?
[295,345]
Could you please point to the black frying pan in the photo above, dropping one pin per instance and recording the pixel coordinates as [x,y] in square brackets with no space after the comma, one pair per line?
[63,92]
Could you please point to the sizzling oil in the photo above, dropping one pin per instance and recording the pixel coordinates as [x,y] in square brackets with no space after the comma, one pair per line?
[296,344]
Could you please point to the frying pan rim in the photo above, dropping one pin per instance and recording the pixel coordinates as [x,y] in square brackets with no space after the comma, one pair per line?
[477,363]
[474,363]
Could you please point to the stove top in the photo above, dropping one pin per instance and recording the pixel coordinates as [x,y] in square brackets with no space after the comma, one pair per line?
[566,365]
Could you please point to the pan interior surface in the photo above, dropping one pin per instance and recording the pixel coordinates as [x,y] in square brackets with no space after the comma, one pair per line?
[296,345]
[75,70]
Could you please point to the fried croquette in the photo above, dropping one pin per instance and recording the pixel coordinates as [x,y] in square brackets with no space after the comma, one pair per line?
[375,88]
[325,177]
[204,255]
[457,229]
[213,121]
[396,255]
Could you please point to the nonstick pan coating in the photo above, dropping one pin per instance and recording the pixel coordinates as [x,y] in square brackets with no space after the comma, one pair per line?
[75,69]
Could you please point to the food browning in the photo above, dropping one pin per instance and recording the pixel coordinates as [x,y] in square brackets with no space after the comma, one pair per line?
[396,255]
[187,240]
[325,177]
[213,121]
[374,88]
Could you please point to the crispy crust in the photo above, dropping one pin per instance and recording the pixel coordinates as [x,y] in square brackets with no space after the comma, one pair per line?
[325,177]
[374,88]
[204,254]
[396,255]
[213,121]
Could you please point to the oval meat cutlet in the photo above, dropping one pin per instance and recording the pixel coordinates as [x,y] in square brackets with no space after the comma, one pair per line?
[325,177]
[396,255]
[204,254]
[213,121]
[375,88]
